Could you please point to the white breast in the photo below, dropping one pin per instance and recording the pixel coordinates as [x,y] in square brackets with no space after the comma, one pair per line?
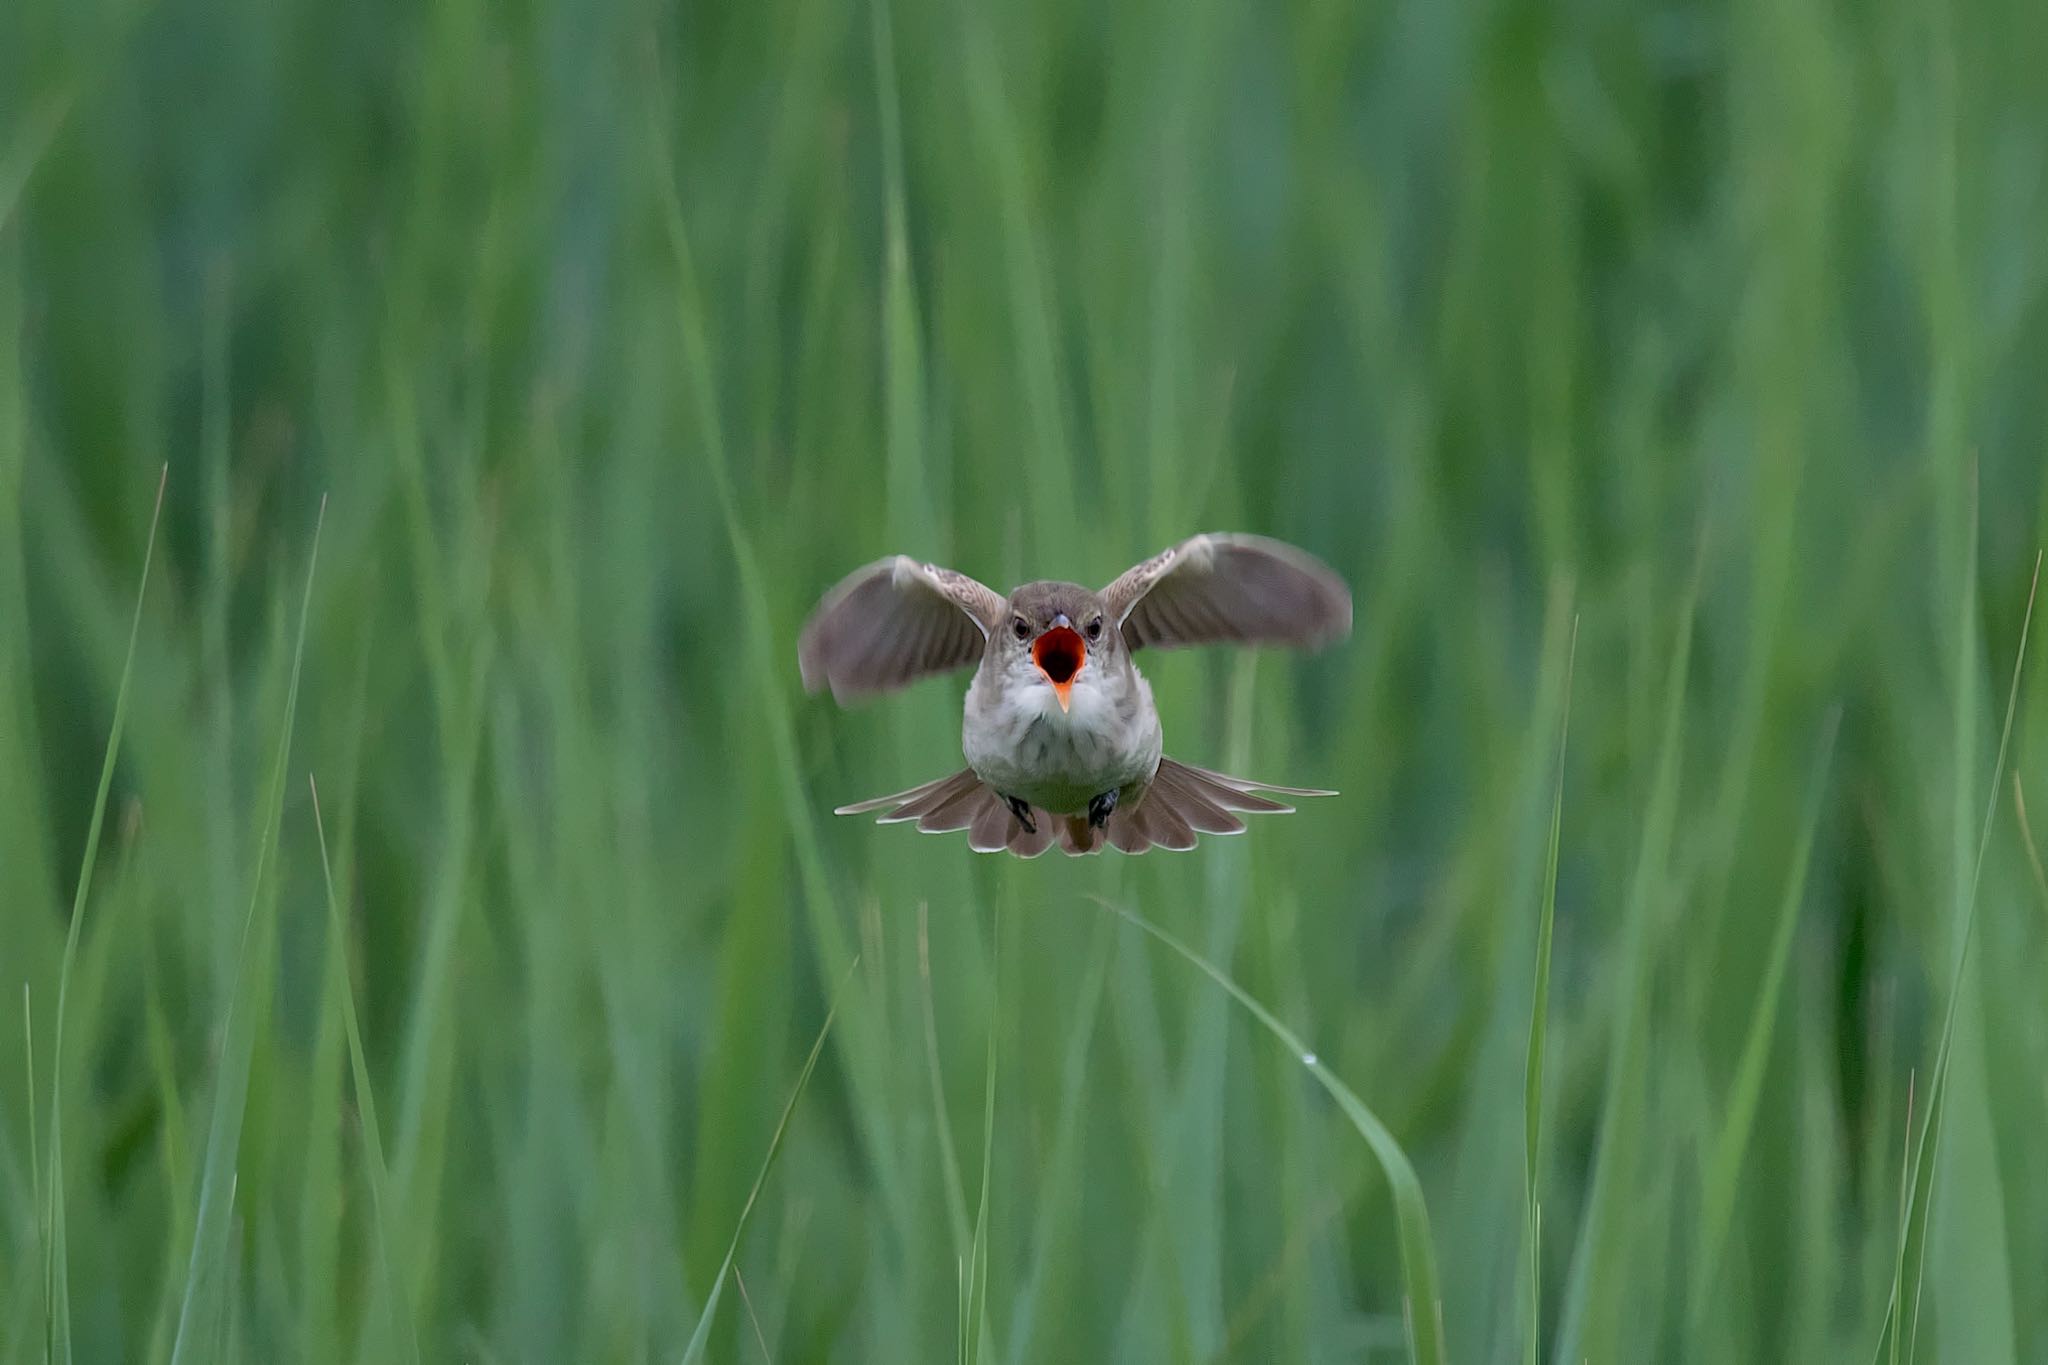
[1019,741]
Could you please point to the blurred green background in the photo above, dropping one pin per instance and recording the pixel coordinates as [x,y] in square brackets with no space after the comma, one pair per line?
[614,333]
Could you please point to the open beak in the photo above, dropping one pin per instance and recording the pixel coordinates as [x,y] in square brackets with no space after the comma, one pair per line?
[1060,654]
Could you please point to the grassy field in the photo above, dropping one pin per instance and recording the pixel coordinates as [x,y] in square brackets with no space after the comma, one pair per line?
[1693,353]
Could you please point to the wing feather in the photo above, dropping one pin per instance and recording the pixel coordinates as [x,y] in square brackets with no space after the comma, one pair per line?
[1212,589]
[891,623]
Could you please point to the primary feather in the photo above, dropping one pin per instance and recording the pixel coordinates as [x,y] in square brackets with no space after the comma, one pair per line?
[1213,589]
[891,623]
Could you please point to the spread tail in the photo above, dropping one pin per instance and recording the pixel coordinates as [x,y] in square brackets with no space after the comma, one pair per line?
[1183,802]
[961,801]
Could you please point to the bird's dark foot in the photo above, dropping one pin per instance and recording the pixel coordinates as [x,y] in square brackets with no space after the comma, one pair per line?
[1022,810]
[1100,807]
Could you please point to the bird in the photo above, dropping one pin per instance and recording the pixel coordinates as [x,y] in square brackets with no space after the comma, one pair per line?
[1060,733]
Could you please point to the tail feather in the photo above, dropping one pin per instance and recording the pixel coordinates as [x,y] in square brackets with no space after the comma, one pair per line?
[1129,831]
[1184,800]
[933,798]
[996,828]
[1229,793]
[957,812]
[1204,814]
[1029,843]
[1245,784]
[990,830]
[961,801]
[902,798]
[1181,803]
[1156,823]
[1077,836]
[1169,829]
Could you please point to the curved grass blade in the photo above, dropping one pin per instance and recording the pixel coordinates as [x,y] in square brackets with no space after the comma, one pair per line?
[695,1349]
[1423,1304]
[56,1281]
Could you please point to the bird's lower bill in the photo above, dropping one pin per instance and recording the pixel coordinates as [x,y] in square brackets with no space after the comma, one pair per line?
[1059,654]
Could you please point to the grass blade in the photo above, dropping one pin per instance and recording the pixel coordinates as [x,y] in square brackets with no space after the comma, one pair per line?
[973,1329]
[1058,1193]
[56,1282]
[223,1142]
[35,1163]
[1539,1008]
[1889,1331]
[1422,1303]
[2033,851]
[949,1158]
[695,1349]
[1905,1322]
[753,1318]
[1593,1306]
[373,1143]
[44,120]
[1717,1199]
[910,493]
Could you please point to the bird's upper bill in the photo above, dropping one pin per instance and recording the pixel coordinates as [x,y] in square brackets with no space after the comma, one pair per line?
[1059,654]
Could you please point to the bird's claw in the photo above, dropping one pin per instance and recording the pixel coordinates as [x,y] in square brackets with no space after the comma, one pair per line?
[1022,810]
[1100,807]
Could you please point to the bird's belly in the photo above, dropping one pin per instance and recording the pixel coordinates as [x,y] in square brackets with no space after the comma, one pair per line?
[1059,761]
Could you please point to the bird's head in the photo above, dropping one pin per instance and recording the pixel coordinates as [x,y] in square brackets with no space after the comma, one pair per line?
[1053,633]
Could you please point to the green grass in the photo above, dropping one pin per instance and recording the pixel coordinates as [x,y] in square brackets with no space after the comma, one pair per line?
[1421,1302]
[1539,1012]
[694,1350]
[56,1283]
[1673,369]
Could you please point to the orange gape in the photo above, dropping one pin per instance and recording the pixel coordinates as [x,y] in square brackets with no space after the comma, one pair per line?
[1060,654]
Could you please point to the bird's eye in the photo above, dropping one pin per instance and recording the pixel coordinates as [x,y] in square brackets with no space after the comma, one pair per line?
[1095,629]
[1020,628]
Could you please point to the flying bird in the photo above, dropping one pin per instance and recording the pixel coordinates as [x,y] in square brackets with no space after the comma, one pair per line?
[1061,736]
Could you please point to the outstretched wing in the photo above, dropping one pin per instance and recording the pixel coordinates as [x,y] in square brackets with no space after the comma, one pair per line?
[891,623]
[1211,589]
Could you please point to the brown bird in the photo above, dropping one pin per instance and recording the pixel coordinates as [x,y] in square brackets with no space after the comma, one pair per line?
[1061,736]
